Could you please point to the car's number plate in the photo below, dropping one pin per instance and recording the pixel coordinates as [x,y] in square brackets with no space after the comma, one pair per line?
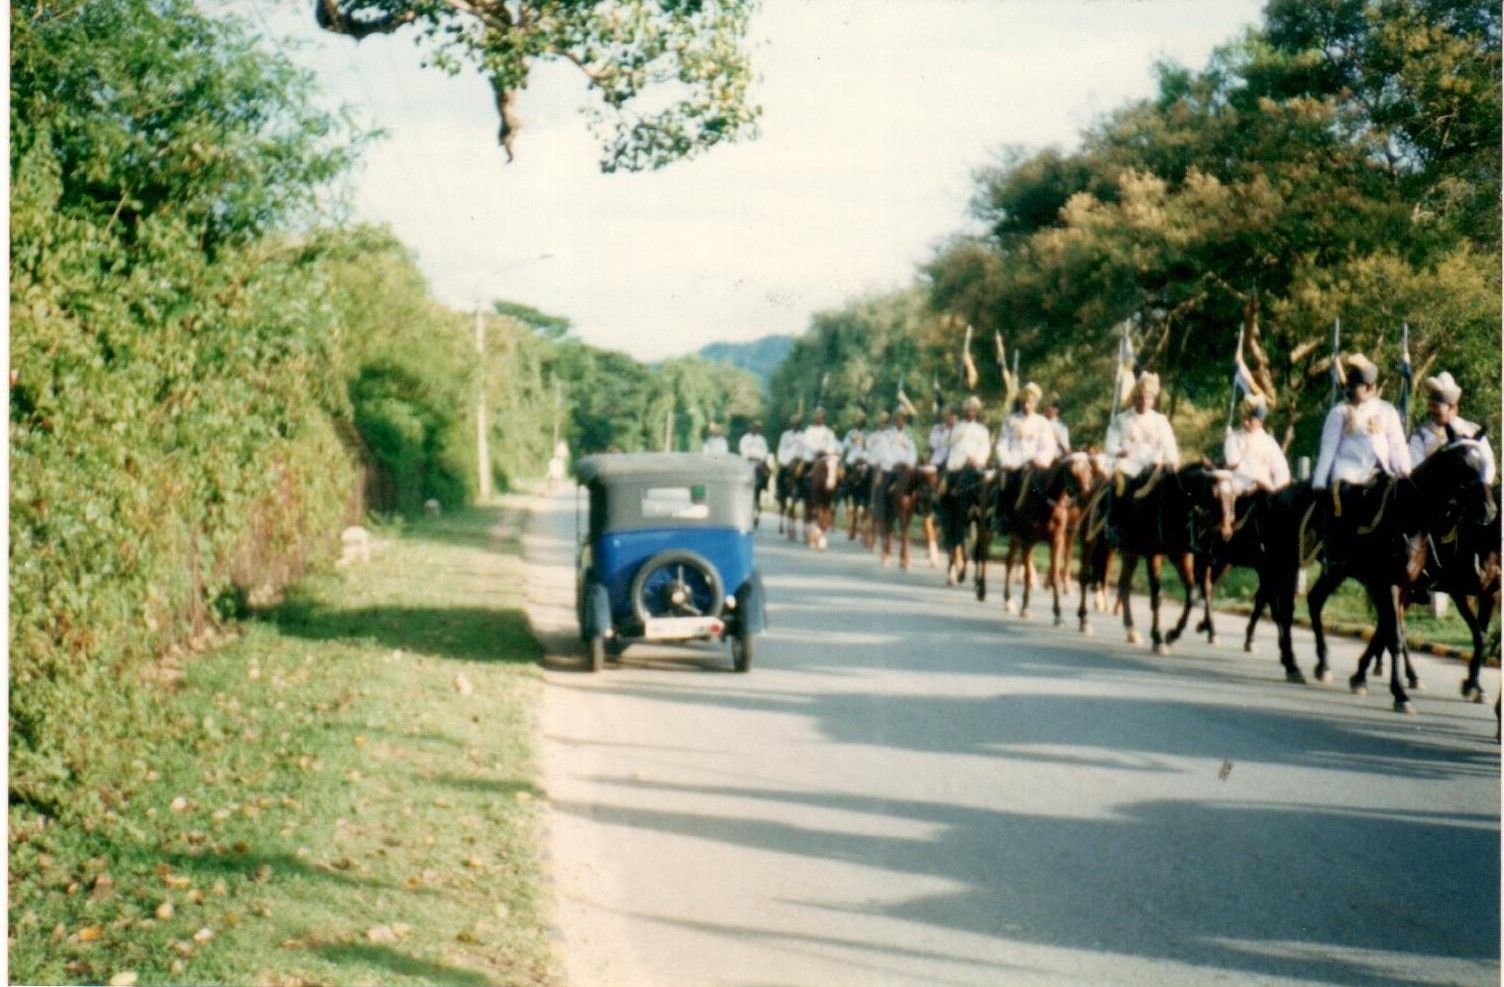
[668,628]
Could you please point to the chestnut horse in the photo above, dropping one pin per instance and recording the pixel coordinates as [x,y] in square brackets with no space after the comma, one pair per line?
[820,499]
[1043,507]
[895,498]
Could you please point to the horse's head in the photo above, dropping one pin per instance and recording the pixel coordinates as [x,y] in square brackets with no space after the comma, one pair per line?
[1452,482]
[1213,497]
[1078,474]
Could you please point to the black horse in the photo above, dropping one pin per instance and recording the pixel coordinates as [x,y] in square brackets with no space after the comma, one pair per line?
[965,501]
[1265,538]
[1381,533]
[1162,512]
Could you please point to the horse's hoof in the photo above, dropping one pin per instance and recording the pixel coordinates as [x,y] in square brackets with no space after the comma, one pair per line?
[1416,685]
[1086,629]
[1323,675]
[887,562]
[821,543]
[1059,620]
[1248,650]
[1359,687]
[1404,706]
[1023,614]
[1162,650]
[1294,675]
[1211,639]
[1134,638]
[1472,691]
[1007,606]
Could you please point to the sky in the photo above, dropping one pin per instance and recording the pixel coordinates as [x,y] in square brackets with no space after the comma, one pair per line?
[876,114]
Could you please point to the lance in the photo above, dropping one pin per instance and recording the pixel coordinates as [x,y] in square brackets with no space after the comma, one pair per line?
[820,397]
[1406,373]
[1237,365]
[1336,359]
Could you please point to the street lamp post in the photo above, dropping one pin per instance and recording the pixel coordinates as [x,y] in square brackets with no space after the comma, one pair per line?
[482,443]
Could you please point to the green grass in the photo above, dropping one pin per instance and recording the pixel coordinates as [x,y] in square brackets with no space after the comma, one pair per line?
[343,795]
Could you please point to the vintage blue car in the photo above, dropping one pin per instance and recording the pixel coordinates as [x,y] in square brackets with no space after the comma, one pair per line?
[665,553]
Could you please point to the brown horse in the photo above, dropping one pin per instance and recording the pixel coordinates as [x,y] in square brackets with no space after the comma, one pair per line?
[1045,507]
[896,496]
[820,499]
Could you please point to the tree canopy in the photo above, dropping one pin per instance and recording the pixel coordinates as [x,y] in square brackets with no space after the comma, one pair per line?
[672,76]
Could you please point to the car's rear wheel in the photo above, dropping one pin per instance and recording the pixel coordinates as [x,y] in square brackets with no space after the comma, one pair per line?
[597,652]
[741,651]
[677,583]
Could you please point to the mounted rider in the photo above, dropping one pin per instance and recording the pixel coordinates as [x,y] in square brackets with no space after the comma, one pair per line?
[1362,436]
[753,446]
[1062,434]
[881,433]
[819,440]
[970,443]
[1251,453]
[715,441]
[898,449]
[1029,438]
[1139,442]
[1442,395]
[853,443]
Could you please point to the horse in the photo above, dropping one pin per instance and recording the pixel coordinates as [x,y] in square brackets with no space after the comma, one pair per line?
[1043,507]
[759,486]
[824,478]
[896,497]
[1162,512]
[786,489]
[965,499]
[1465,563]
[856,493]
[1380,534]
[1265,537]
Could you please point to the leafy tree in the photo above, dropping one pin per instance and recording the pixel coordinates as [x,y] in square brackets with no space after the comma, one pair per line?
[672,75]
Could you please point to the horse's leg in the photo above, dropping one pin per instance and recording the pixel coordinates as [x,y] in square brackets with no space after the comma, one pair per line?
[1183,567]
[1028,552]
[930,540]
[1316,599]
[1152,566]
[1280,597]
[1260,601]
[981,550]
[1060,548]
[1117,601]
[1390,625]
[1411,678]
[1471,687]
[905,518]
[1125,583]
[1083,576]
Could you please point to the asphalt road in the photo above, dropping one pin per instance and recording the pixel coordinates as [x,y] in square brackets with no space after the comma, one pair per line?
[912,788]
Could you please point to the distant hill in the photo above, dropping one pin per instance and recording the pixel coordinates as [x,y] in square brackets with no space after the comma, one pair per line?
[761,356]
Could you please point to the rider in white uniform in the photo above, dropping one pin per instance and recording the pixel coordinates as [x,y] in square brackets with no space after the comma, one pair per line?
[1062,434]
[1028,439]
[1362,436]
[898,447]
[853,444]
[715,442]
[970,444]
[753,445]
[819,439]
[791,442]
[1142,437]
[1442,395]
[877,438]
[1256,460]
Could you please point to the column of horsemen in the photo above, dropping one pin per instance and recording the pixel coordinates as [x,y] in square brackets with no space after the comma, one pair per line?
[1404,516]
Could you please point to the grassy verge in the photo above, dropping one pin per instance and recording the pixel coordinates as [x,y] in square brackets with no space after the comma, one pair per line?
[343,795]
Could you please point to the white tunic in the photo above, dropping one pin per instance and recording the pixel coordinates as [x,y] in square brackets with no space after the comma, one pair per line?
[854,447]
[898,450]
[970,443]
[1138,440]
[753,446]
[1027,439]
[1256,460]
[877,445]
[1359,440]
[1062,434]
[939,444]
[820,439]
[715,445]
[790,447]
[1429,437]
